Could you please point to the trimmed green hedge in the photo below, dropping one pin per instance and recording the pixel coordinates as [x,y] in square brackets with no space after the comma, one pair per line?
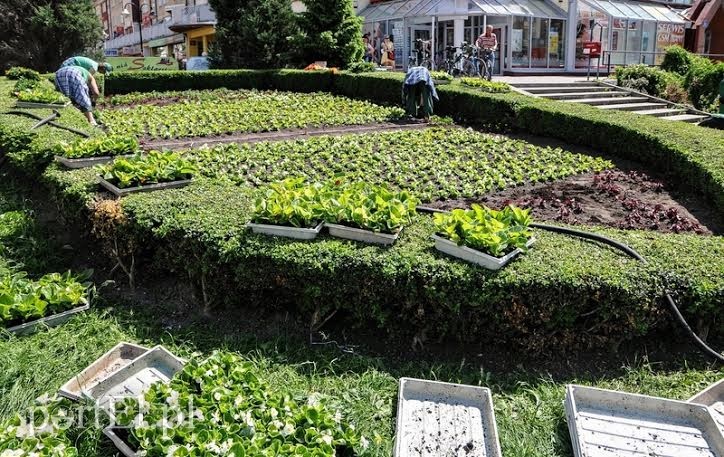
[564,292]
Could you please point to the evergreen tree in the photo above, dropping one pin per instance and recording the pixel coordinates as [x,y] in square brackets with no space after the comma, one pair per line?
[252,33]
[40,34]
[329,30]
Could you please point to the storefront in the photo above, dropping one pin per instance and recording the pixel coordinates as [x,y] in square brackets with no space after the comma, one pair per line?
[533,35]
[198,37]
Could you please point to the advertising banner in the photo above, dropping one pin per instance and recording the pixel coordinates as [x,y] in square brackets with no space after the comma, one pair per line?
[142,63]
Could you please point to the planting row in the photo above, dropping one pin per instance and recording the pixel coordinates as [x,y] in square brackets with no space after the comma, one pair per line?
[245,111]
[433,164]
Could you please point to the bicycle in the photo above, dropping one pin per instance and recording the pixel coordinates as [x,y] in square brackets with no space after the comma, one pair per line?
[468,60]
[420,56]
[487,60]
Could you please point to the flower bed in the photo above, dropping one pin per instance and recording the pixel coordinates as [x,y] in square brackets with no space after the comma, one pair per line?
[155,168]
[244,112]
[95,151]
[222,407]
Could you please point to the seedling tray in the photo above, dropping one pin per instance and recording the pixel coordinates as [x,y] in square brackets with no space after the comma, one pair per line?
[713,397]
[156,365]
[287,232]
[109,363]
[86,162]
[475,256]
[119,437]
[147,188]
[20,104]
[55,320]
[436,419]
[365,236]
[606,423]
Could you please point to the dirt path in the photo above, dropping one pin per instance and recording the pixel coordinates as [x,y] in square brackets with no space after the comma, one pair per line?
[188,143]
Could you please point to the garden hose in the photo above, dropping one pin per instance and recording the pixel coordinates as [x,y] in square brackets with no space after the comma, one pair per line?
[63,127]
[631,253]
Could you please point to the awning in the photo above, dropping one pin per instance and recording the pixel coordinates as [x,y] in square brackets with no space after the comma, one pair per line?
[426,8]
[637,10]
[173,39]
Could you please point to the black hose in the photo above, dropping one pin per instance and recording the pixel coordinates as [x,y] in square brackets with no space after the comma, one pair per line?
[35,116]
[631,253]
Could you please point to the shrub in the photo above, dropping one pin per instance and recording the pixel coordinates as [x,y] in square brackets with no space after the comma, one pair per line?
[676,60]
[22,73]
[362,67]
[702,81]
[487,86]
[647,79]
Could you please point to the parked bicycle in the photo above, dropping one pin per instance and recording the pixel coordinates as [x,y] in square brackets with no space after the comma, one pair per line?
[421,55]
[469,63]
[487,60]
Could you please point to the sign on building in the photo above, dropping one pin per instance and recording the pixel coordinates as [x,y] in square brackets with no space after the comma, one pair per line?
[142,63]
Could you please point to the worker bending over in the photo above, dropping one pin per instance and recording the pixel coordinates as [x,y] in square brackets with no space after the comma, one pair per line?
[418,92]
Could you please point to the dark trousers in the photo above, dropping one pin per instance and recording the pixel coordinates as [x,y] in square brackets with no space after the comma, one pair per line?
[418,100]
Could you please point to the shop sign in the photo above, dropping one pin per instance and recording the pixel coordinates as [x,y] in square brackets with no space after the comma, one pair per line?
[592,49]
[668,34]
[142,63]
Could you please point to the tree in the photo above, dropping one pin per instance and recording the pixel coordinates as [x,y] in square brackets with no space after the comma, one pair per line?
[329,30]
[252,33]
[40,34]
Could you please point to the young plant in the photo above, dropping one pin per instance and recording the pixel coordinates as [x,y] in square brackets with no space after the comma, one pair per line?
[24,300]
[291,202]
[370,207]
[487,86]
[487,230]
[441,76]
[106,145]
[41,93]
[155,167]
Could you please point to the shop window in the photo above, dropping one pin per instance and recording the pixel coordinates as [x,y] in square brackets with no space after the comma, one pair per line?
[648,42]
[593,25]
[618,41]
[633,42]
[520,42]
[557,44]
[539,48]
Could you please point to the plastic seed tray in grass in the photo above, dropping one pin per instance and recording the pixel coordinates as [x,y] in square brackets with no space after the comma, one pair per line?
[244,111]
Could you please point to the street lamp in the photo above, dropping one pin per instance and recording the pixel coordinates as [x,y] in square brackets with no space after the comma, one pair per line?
[127,12]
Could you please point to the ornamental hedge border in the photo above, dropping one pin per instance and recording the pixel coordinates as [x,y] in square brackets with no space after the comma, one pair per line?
[564,292]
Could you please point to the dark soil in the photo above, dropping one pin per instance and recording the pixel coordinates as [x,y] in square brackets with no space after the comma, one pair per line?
[629,200]
[291,134]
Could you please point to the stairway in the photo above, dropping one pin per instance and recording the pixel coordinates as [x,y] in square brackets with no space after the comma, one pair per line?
[607,98]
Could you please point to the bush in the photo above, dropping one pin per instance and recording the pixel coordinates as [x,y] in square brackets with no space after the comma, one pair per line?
[647,79]
[702,82]
[362,67]
[487,86]
[676,60]
[22,73]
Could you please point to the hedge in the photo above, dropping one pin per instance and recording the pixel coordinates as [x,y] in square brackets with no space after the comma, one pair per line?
[564,293]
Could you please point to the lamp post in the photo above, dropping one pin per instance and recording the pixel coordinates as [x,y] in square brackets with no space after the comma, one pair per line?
[127,12]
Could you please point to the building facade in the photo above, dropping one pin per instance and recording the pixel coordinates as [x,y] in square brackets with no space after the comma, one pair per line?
[535,36]
[706,35]
[160,28]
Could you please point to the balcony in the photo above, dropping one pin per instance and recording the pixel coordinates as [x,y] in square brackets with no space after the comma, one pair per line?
[180,19]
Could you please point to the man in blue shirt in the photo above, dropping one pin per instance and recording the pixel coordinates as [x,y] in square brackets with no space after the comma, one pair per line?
[418,92]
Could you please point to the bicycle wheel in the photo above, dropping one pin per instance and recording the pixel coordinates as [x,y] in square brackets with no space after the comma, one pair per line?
[427,63]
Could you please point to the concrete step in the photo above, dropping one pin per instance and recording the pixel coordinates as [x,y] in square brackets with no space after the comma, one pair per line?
[561,90]
[574,95]
[608,101]
[643,106]
[693,118]
[661,112]
[552,84]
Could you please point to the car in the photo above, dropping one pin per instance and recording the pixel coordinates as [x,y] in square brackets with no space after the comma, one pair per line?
[197,64]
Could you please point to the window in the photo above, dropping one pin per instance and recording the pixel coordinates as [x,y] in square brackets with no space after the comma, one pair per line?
[539,48]
[592,26]
[557,44]
[520,42]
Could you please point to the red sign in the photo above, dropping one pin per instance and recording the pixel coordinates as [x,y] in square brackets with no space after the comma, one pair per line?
[592,49]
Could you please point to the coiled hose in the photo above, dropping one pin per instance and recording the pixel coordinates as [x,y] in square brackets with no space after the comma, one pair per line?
[631,253]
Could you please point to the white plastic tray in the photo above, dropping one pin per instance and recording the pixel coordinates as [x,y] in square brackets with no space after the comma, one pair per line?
[110,362]
[287,232]
[713,397]
[438,419]
[475,256]
[606,423]
[156,365]
[55,320]
[365,236]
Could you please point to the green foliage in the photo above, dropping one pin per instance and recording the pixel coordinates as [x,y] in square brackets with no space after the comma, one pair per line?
[17,73]
[106,145]
[24,300]
[329,31]
[647,79]
[39,432]
[369,207]
[433,163]
[152,168]
[676,60]
[702,81]
[252,34]
[237,414]
[362,67]
[492,232]
[441,76]
[42,94]
[487,86]
[41,34]
[244,111]
[291,202]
